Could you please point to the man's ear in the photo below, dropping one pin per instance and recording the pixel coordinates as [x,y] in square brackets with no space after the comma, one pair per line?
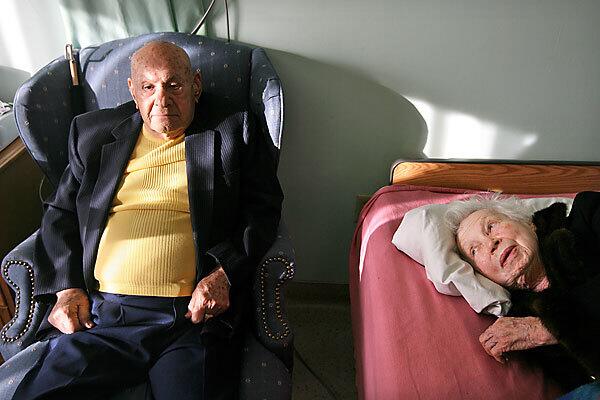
[130,87]
[197,85]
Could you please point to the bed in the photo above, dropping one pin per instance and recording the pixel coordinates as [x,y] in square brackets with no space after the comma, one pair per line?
[410,341]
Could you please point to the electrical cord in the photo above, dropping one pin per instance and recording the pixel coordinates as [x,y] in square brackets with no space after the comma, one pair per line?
[203,19]
[40,190]
[199,25]
[327,387]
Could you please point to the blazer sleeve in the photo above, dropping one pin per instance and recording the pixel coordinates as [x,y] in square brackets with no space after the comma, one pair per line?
[261,199]
[58,249]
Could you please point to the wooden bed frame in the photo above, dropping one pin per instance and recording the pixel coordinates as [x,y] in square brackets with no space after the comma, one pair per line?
[527,177]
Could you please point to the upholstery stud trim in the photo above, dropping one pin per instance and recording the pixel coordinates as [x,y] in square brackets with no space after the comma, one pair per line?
[4,333]
[287,275]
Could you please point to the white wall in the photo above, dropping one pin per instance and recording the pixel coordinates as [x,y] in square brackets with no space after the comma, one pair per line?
[510,79]
[31,33]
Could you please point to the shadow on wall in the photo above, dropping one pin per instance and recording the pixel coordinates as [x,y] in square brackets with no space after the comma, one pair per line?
[342,132]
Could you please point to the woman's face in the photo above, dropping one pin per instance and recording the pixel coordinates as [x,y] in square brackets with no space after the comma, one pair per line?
[500,248]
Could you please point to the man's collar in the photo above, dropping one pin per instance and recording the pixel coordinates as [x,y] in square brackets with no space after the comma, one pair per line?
[131,124]
[201,117]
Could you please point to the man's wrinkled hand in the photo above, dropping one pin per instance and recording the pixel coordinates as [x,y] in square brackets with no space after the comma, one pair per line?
[210,298]
[71,313]
[512,334]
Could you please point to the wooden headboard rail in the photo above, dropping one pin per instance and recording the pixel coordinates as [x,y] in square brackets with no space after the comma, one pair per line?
[529,177]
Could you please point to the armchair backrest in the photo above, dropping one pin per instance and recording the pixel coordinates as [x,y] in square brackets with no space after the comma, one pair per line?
[46,104]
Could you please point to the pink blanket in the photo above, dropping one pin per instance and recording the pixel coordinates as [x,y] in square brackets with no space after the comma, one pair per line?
[411,342]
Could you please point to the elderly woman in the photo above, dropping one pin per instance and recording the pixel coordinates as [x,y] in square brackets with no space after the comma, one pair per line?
[551,264]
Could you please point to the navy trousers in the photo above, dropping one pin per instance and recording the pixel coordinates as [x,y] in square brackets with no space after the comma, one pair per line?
[136,339]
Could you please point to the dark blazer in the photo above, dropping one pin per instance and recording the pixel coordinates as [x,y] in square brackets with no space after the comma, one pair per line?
[234,195]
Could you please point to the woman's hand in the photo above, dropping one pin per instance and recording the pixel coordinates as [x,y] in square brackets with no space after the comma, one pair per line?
[511,334]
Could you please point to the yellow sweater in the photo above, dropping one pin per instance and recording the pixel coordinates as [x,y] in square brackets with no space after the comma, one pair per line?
[146,248]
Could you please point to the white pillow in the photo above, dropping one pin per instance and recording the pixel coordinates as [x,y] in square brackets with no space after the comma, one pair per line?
[424,237]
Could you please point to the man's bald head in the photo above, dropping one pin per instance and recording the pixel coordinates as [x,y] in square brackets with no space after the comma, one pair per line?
[162,53]
[164,88]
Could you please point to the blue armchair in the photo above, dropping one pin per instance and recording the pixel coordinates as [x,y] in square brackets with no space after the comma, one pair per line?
[44,108]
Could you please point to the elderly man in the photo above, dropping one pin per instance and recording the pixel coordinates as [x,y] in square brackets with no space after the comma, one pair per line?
[147,248]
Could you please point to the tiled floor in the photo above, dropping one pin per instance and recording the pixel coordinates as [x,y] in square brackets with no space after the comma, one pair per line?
[324,359]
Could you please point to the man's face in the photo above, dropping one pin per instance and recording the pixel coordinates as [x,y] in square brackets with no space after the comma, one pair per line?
[164,90]
[502,249]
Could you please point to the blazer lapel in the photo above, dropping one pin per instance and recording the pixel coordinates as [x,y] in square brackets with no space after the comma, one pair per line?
[199,156]
[114,159]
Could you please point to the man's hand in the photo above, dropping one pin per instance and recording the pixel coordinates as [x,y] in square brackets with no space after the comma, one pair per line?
[510,334]
[71,313]
[210,298]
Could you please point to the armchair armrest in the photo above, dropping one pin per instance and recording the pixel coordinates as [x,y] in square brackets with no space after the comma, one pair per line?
[274,271]
[17,271]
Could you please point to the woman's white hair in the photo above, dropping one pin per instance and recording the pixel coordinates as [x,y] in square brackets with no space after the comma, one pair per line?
[511,207]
